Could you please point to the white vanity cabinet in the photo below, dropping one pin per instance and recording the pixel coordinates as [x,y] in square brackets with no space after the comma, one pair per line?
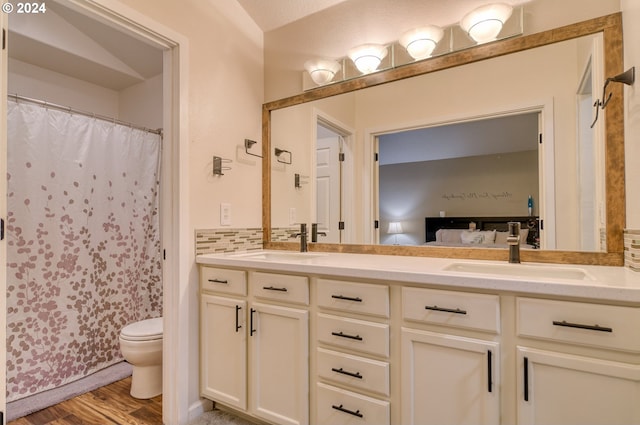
[559,387]
[343,342]
[447,378]
[223,337]
[255,348]
[352,357]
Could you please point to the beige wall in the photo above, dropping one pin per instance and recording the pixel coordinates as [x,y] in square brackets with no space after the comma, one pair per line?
[225,67]
[631,23]
[479,186]
[39,83]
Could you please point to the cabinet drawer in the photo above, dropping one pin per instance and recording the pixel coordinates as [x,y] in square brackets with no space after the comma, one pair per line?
[354,334]
[354,297]
[594,325]
[355,371]
[337,406]
[280,287]
[450,308]
[223,280]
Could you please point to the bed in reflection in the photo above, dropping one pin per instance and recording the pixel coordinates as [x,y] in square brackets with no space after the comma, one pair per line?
[480,232]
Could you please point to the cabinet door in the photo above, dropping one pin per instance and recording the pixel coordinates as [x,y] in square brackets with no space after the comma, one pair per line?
[557,388]
[447,379]
[223,345]
[279,375]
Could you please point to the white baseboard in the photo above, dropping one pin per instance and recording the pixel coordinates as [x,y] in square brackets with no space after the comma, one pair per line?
[199,407]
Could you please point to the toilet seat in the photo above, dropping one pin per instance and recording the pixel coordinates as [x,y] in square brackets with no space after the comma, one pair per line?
[145,330]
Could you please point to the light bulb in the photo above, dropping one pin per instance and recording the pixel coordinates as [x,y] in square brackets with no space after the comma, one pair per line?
[367,57]
[421,42]
[485,23]
[322,71]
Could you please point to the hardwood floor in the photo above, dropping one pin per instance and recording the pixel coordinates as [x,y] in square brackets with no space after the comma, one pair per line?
[104,406]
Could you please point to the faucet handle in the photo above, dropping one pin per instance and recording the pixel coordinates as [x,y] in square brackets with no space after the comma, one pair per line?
[315,233]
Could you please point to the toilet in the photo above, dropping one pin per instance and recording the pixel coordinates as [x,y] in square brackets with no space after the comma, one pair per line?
[141,346]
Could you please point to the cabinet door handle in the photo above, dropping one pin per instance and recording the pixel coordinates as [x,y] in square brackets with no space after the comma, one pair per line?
[489,371]
[251,330]
[581,326]
[526,379]
[351,412]
[342,297]
[238,326]
[273,288]
[342,335]
[219,281]
[446,310]
[344,372]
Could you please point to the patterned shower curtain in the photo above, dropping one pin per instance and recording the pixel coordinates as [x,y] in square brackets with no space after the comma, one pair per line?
[83,243]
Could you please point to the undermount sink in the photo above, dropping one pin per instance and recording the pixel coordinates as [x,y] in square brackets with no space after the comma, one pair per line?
[521,270]
[277,256]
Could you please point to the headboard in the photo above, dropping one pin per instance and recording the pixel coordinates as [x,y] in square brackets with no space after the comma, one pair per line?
[433,224]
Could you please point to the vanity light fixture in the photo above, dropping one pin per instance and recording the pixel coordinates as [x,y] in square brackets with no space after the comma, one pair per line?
[421,42]
[322,71]
[485,23]
[367,57]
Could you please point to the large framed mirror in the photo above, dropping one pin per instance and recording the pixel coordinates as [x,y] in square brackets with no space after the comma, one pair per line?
[550,98]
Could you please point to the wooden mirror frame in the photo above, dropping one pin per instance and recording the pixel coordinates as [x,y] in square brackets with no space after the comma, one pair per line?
[610,26]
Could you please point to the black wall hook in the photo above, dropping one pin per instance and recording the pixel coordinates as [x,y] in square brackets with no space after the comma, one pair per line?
[628,77]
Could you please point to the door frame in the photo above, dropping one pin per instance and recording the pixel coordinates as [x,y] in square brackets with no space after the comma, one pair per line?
[173,190]
[347,177]
[3,214]
[546,162]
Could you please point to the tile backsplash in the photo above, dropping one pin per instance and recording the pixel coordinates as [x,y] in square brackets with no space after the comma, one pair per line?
[211,241]
[632,249]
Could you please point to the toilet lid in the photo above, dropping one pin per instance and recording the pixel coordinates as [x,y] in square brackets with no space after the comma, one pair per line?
[144,330]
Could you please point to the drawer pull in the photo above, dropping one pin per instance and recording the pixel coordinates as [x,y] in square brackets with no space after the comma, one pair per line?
[273,288]
[526,379]
[344,372]
[342,297]
[489,371]
[238,326]
[219,281]
[351,412]
[342,335]
[251,330]
[446,310]
[580,326]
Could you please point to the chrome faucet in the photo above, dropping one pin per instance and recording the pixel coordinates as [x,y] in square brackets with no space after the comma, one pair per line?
[303,237]
[315,233]
[513,240]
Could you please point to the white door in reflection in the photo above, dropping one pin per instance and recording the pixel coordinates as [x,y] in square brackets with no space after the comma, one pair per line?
[328,175]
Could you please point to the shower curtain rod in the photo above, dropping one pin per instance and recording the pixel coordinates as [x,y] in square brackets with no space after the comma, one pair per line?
[70,110]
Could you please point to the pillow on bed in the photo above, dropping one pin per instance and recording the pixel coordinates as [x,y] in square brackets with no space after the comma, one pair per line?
[485,237]
[488,236]
[448,235]
[471,237]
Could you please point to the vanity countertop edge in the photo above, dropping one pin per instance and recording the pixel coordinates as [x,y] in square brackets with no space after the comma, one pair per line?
[603,283]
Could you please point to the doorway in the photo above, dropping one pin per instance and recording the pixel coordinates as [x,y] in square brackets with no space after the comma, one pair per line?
[484,166]
[123,20]
[333,174]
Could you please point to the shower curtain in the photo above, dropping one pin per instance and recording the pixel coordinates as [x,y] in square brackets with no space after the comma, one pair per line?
[83,243]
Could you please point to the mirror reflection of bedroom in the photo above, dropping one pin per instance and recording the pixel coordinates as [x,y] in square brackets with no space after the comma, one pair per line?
[459,184]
